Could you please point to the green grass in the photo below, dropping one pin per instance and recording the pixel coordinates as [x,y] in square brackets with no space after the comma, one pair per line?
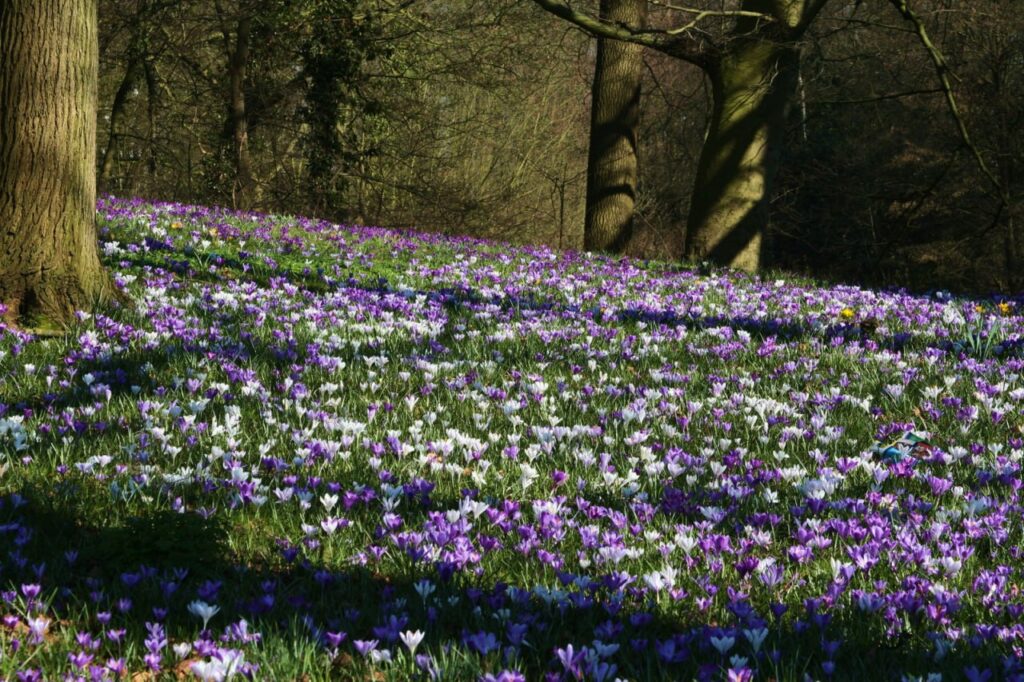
[556,420]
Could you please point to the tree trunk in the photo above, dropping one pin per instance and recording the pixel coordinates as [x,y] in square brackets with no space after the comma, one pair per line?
[615,115]
[152,92]
[753,85]
[244,187]
[49,257]
[114,136]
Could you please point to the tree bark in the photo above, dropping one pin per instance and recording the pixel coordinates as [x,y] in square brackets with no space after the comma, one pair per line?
[152,92]
[753,85]
[113,135]
[754,73]
[238,122]
[612,162]
[49,257]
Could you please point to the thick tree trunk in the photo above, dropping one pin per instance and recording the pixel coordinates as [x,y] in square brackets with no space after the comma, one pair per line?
[753,85]
[49,258]
[244,186]
[615,114]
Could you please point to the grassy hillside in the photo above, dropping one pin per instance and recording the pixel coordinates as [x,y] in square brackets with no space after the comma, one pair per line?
[303,445]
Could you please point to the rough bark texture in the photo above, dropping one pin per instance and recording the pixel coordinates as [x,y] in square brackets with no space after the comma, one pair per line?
[753,85]
[615,114]
[49,260]
[244,186]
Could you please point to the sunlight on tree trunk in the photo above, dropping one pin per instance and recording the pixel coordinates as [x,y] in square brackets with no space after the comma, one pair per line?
[49,260]
[753,86]
[113,134]
[615,113]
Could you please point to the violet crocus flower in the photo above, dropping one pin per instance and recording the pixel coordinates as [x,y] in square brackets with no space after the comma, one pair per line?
[364,647]
[739,675]
[572,661]
[117,666]
[973,674]
[334,639]
[483,642]
[504,676]
[428,665]
[80,659]
[38,627]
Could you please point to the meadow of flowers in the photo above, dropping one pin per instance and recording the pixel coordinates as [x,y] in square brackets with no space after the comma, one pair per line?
[307,451]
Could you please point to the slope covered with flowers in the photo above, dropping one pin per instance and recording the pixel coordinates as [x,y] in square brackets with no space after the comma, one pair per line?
[307,451]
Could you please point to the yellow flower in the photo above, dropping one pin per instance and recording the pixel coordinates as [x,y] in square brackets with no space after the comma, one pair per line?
[979,308]
[1005,308]
[175,225]
[846,313]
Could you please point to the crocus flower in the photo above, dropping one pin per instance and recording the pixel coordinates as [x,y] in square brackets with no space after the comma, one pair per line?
[411,639]
[223,666]
[203,610]
[364,647]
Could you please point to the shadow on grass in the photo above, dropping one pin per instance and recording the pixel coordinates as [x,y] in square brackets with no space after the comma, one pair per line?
[147,568]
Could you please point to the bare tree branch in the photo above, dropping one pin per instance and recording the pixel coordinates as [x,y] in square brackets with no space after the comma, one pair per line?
[701,15]
[690,46]
[943,71]
[713,13]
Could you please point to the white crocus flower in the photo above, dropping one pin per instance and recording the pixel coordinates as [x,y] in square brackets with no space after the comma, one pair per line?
[528,476]
[756,637]
[223,666]
[722,644]
[412,639]
[203,610]
[424,588]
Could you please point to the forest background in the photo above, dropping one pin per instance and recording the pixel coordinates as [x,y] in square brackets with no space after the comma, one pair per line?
[472,117]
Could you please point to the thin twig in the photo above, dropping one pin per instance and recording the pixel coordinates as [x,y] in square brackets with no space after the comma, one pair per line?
[882,98]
